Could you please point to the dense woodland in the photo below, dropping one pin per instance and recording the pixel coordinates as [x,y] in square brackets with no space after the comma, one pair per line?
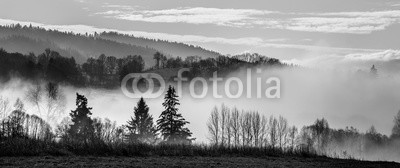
[107,71]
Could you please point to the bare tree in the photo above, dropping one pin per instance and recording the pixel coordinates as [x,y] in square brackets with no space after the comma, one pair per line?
[273,122]
[321,129]
[246,128]
[235,125]
[214,125]
[264,131]
[282,131]
[34,96]
[256,127]
[224,123]
[49,102]
[228,129]
[4,108]
[55,102]
[109,130]
[63,127]
[292,135]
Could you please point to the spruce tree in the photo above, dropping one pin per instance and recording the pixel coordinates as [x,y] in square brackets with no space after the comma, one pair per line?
[171,123]
[141,126]
[81,129]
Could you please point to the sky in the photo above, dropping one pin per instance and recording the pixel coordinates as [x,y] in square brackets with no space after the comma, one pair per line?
[307,32]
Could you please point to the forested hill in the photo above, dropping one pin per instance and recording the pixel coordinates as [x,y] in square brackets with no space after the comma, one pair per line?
[173,48]
[106,71]
[25,39]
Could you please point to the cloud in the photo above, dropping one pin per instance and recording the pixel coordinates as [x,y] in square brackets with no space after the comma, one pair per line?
[360,25]
[82,29]
[199,15]
[80,1]
[354,60]
[387,55]
[334,22]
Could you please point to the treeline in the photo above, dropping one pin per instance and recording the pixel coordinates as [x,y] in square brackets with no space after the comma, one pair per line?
[164,46]
[231,128]
[79,46]
[91,45]
[108,71]
[81,134]
[231,132]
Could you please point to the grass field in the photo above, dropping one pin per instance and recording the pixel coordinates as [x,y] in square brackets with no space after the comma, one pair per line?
[201,162]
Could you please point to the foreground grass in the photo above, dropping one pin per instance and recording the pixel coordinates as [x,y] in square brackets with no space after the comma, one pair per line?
[185,161]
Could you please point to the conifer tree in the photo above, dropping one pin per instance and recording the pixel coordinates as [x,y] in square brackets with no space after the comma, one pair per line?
[141,126]
[171,124]
[374,71]
[81,129]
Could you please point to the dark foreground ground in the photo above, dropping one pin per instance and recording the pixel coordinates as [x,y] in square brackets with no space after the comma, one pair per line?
[202,162]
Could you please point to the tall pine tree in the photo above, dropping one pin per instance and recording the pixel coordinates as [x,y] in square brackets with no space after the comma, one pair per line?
[81,129]
[141,126]
[171,123]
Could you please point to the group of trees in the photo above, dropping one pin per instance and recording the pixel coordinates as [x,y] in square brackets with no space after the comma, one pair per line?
[48,66]
[82,129]
[229,127]
[171,124]
[108,71]
[105,71]
[19,124]
[80,132]
[47,100]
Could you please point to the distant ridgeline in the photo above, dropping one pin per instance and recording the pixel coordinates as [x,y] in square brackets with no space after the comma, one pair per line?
[102,60]
[25,39]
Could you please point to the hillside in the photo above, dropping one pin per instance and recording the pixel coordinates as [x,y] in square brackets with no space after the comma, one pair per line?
[27,39]
[169,48]
[23,44]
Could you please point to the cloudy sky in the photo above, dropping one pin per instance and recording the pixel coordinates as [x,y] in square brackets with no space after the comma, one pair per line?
[306,31]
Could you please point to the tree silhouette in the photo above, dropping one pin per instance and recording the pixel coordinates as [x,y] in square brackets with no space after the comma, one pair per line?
[157,56]
[81,129]
[396,127]
[171,123]
[141,126]
[213,126]
[374,71]
[321,132]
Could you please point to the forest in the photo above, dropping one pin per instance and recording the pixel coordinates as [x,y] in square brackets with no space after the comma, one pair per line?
[108,71]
